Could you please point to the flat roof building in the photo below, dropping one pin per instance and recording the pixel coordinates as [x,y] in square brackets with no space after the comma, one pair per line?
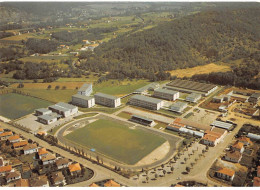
[48,118]
[166,94]
[42,111]
[85,90]
[142,120]
[178,106]
[64,109]
[193,97]
[107,100]
[222,124]
[146,102]
[191,86]
[83,101]
[151,86]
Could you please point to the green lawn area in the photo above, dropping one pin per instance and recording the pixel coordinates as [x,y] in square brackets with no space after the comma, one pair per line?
[160,124]
[51,95]
[100,109]
[115,87]
[124,115]
[116,140]
[14,105]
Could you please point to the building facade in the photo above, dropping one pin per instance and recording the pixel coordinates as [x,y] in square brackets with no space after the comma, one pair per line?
[146,102]
[85,90]
[107,100]
[83,101]
[166,94]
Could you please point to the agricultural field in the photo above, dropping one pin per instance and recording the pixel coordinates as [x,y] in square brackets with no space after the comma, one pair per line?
[14,106]
[25,37]
[204,69]
[124,115]
[48,59]
[116,140]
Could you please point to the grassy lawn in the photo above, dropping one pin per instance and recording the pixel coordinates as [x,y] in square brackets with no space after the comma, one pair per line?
[14,105]
[85,115]
[160,124]
[116,140]
[48,59]
[51,95]
[124,115]
[100,109]
[115,87]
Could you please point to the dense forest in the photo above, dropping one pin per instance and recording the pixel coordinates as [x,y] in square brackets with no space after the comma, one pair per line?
[198,39]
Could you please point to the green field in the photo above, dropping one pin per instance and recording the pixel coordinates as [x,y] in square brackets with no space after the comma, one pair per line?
[14,105]
[116,140]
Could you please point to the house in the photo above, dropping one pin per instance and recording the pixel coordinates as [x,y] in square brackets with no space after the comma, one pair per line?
[41,181]
[22,183]
[85,89]
[58,179]
[64,109]
[14,139]
[48,118]
[226,174]
[256,182]
[42,152]
[238,146]
[111,183]
[12,176]
[93,185]
[41,133]
[210,140]
[107,100]
[30,149]
[5,135]
[20,144]
[193,97]
[42,111]
[178,107]
[233,156]
[83,101]
[146,102]
[143,120]
[48,159]
[245,140]
[62,163]
[6,169]
[166,94]
[74,169]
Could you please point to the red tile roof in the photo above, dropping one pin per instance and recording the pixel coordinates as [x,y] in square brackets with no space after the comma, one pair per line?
[209,137]
[13,175]
[256,182]
[238,145]
[74,167]
[7,168]
[30,146]
[14,137]
[9,133]
[42,151]
[22,183]
[20,144]
[111,183]
[93,185]
[227,172]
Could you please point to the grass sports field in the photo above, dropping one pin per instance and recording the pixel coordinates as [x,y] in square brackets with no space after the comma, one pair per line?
[14,105]
[117,141]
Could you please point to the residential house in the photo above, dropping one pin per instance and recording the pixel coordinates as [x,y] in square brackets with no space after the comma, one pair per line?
[41,181]
[111,183]
[21,144]
[22,183]
[48,159]
[5,135]
[30,149]
[238,146]
[211,138]
[62,163]
[245,140]
[74,169]
[93,185]
[42,152]
[6,169]
[256,182]
[226,174]
[12,176]
[14,139]
[233,156]
[58,179]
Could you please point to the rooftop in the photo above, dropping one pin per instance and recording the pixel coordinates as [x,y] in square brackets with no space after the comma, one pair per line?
[148,86]
[19,144]
[62,161]
[57,176]
[192,124]
[84,87]
[227,172]
[48,157]
[74,167]
[210,137]
[13,174]
[218,130]
[256,182]
[22,183]
[14,137]
[111,183]
[93,185]
[42,151]
[7,168]
[146,99]
[43,110]
[238,145]
[179,104]
[193,95]
[39,181]
[141,117]
[244,139]
[30,146]
[255,95]
[233,154]
[106,96]
[65,105]
[48,117]
[222,124]
[9,133]
[162,90]
[83,97]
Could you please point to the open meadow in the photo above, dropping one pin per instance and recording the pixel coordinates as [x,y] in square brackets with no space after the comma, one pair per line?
[13,105]
[117,141]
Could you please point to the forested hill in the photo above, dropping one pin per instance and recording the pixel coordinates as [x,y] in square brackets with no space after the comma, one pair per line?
[186,42]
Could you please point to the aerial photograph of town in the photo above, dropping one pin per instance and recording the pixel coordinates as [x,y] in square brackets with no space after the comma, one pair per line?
[129,94]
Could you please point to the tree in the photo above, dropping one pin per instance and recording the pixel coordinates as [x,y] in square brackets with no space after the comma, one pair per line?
[187,169]
[207,147]
[147,178]
[185,159]
[156,175]
[35,80]
[164,172]
[49,86]
[172,168]
[57,87]
[20,85]
[64,87]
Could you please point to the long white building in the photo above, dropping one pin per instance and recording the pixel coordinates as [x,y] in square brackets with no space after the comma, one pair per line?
[146,102]
[85,90]
[166,94]
[107,100]
[83,101]
[64,109]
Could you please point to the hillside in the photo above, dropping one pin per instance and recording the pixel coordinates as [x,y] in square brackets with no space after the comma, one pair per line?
[198,39]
